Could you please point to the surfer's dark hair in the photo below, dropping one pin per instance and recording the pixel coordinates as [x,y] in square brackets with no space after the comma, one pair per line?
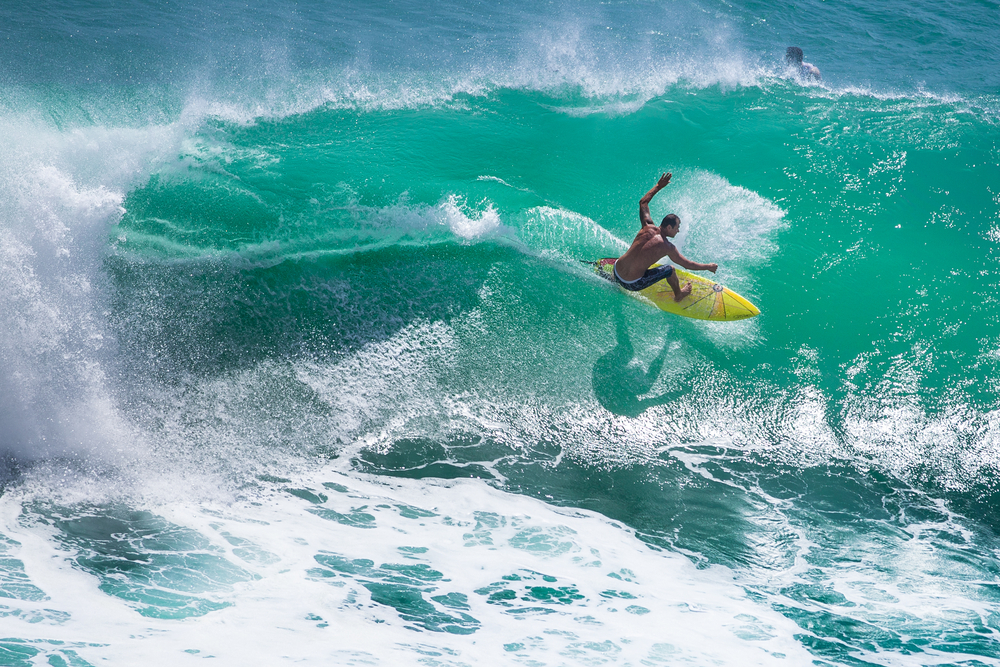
[793,56]
[670,220]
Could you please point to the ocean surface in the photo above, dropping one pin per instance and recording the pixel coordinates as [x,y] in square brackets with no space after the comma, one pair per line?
[300,364]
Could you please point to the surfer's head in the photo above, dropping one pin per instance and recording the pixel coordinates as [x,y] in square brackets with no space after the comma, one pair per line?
[793,56]
[670,226]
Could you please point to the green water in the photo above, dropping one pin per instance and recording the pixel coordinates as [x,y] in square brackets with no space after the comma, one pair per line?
[242,312]
[864,228]
[884,256]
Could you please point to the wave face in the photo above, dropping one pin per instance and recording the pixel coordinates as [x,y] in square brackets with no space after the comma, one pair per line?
[298,358]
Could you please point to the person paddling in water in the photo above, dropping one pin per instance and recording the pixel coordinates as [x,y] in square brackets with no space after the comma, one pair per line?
[632,270]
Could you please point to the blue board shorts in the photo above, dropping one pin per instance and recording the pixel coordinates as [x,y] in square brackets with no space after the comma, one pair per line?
[651,277]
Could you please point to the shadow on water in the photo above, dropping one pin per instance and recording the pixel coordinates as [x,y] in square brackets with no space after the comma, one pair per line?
[619,380]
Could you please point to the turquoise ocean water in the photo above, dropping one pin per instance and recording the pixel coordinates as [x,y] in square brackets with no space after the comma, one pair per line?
[298,364]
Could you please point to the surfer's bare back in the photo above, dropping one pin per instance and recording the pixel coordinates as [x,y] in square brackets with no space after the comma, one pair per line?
[632,270]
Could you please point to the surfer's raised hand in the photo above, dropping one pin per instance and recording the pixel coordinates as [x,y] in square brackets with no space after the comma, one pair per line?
[712,267]
[644,216]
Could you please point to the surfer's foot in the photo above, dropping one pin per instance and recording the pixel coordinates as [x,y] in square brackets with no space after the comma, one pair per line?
[679,296]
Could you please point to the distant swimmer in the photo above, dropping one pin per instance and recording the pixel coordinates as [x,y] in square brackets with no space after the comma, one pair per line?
[793,56]
[632,270]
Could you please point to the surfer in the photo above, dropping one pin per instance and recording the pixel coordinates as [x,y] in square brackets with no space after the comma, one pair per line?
[793,56]
[632,270]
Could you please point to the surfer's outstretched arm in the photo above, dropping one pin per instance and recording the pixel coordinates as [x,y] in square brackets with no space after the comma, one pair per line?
[677,258]
[644,217]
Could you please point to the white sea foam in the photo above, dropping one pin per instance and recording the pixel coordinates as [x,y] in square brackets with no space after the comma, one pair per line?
[724,222]
[59,194]
[519,580]
[959,443]
[485,223]
[614,598]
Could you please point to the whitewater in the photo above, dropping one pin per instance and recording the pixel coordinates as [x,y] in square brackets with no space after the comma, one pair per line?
[300,364]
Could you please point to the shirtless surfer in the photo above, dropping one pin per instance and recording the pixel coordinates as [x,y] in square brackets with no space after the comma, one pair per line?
[632,269]
[793,56]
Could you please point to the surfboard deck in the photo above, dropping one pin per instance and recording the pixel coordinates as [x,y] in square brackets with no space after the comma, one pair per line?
[708,299]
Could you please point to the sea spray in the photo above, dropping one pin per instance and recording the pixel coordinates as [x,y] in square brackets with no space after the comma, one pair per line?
[300,360]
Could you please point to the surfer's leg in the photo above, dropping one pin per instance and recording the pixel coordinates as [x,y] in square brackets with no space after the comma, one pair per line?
[675,285]
[654,275]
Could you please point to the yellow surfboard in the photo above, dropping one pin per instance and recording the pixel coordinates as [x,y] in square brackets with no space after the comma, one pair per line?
[708,300]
